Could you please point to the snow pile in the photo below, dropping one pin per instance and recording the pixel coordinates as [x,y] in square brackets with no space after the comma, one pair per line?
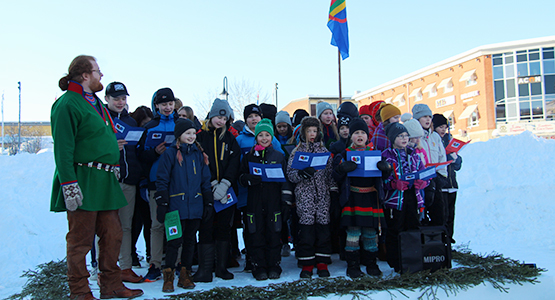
[504,204]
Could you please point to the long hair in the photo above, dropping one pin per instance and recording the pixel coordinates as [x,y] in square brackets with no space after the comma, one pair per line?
[141,113]
[81,64]
[188,112]
[208,124]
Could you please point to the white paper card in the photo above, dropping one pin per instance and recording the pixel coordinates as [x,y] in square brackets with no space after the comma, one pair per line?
[426,173]
[274,173]
[319,161]
[133,136]
[370,162]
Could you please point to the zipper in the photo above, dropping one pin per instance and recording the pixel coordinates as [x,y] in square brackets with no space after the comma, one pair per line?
[216,157]
[194,167]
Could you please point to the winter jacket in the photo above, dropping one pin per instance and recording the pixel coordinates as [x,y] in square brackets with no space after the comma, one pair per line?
[130,168]
[223,154]
[147,155]
[187,182]
[431,142]
[329,135]
[404,161]
[379,139]
[312,195]
[81,135]
[452,167]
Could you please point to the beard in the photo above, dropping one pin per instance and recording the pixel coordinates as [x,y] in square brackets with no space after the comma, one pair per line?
[96,86]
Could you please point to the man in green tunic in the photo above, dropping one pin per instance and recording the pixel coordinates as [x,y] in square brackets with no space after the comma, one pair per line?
[85,181]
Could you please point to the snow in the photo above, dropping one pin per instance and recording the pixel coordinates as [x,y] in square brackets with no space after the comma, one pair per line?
[505,205]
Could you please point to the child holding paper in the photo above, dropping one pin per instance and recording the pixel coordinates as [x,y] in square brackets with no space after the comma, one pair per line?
[362,214]
[402,202]
[183,185]
[312,195]
[264,202]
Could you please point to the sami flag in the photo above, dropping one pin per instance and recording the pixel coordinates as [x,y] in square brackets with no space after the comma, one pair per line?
[337,23]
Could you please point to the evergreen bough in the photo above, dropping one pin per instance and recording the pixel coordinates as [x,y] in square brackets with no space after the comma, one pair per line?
[49,282]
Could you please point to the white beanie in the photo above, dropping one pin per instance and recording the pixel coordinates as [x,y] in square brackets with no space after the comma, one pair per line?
[414,128]
[405,117]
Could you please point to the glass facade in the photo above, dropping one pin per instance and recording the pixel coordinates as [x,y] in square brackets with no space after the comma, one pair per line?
[524,85]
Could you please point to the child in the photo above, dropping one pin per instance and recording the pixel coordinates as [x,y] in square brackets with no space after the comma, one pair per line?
[183,185]
[415,134]
[389,113]
[362,214]
[402,203]
[441,126]
[284,131]
[264,202]
[312,195]
[324,113]
[368,114]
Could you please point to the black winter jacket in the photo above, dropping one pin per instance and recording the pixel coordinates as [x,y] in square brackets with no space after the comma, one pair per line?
[224,154]
[130,168]
[451,182]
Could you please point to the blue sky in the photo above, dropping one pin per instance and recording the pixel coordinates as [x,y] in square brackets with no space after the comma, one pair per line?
[190,46]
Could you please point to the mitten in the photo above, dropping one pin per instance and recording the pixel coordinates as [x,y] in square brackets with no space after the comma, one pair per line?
[420,184]
[400,185]
[220,191]
[213,184]
[346,167]
[73,196]
[307,173]
[250,179]
[162,199]
[383,165]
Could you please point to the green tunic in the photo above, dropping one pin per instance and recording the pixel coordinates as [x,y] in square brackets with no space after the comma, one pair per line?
[82,135]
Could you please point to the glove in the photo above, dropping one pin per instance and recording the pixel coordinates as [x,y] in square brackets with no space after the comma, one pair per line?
[384,166]
[163,201]
[307,173]
[420,184]
[208,200]
[250,179]
[400,185]
[346,167]
[220,191]
[73,197]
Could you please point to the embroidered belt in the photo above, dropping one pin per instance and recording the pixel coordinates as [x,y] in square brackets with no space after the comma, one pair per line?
[101,166]
[363,190]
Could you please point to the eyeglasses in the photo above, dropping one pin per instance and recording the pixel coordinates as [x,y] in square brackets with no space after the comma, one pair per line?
[403,136]
[99,73]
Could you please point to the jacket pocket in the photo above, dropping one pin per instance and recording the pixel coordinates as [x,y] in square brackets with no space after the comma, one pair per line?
[251,225]
[276,221]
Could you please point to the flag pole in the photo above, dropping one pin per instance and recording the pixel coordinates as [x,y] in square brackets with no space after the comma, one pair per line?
[339,64]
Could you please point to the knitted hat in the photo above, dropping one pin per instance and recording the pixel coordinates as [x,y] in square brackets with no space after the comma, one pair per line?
[438,120]
[393,130]
[264,125]
[405,117]
[343,120]
[182,125]
[414,128]
[298,115]
[268,111]
[365,110]
[388,111]
[311,122]
[421,110]
[358,124]
[164,95]
[219,108]
[283,117]
[320,107]
[348,108]
[252,109]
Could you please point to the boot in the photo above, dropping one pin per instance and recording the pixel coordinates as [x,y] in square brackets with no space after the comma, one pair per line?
[372,267]
[259,273]
[169,276]
[205,263]
[353,264]
[322,270]
[274,272]
[222,253]
[185,281]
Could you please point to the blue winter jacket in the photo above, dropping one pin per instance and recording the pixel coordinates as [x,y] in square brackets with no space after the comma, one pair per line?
[188,183]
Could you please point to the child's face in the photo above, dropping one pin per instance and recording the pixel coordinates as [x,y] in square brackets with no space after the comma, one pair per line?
[413,142]
[344,131]
[326,117]
[311,133]
[441,130]
[394,119]
[182,113]
[282,128]
[359,138]
[425,121]
[367,119]
[189,136]
[401,141]
[219,121]
[165,108]
[252,120]
[264,139]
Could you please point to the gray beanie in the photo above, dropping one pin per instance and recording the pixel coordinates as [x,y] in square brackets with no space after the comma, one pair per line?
[393,130]
[421,110]
[414,128]
[283,117]
[320,107]
[220,108]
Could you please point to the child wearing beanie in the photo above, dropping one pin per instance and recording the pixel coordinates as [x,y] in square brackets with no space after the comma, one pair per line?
[402,202]
[312,194]
[324,113]
[389,113]
[264,202]
[183,185]
[361,213]
[415,134]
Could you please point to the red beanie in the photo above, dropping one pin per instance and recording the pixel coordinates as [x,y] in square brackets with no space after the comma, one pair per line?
[365,110]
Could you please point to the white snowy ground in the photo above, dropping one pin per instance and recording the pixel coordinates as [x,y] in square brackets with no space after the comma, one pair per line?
[505,204]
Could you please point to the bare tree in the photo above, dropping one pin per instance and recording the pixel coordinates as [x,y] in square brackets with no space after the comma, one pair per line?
[31,140]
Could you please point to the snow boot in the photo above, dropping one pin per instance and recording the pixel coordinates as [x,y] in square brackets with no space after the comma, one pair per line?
[205,263]
[353,264]
[185,281]
[274,272]
[259,273]
[322,270]
[222,254]
[369,259]
[306,273]
[169,276]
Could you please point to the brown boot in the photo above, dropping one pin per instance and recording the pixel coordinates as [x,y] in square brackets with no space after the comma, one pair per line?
[185,281]
[122,293]
[169,276]
[87,296]
[128,275]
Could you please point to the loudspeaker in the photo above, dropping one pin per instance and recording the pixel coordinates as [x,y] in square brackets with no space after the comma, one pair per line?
[428,248]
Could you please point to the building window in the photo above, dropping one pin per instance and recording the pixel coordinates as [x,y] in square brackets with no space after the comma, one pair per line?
[471,81]
[313,109]
[473,119]
[418,97]
[451,121]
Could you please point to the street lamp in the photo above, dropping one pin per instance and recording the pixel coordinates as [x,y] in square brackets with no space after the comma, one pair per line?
[224,93]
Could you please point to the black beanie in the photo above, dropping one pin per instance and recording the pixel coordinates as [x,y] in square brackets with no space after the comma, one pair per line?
[438,120]
[164,95]
[343,120]
[358,124]
[348,108]
[252,109]
[393,130]
[298,116]
[269,111]
[182,125]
